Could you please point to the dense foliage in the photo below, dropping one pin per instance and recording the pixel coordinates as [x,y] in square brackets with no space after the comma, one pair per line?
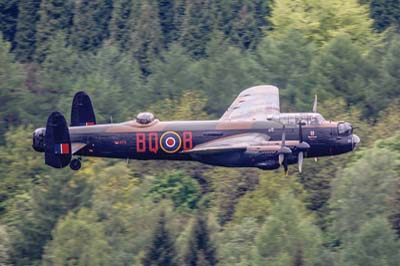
[188,59]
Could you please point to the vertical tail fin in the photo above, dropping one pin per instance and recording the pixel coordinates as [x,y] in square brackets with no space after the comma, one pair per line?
[57,146]
[82,113]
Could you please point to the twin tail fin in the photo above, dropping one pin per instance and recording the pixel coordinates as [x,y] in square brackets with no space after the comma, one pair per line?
[82,113]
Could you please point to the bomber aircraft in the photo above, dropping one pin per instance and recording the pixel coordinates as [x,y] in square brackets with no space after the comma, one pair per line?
[251,133]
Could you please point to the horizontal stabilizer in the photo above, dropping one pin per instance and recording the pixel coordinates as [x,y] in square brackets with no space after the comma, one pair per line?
[77,146]
[57,146]
[82,113]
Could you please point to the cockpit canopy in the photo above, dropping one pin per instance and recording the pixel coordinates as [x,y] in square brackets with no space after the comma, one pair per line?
[345,129]
[145,118]
[295,118]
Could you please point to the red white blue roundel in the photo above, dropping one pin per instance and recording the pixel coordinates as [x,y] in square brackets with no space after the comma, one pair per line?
[170,142]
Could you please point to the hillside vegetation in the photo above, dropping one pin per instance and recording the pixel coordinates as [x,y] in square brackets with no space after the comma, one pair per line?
[188,59]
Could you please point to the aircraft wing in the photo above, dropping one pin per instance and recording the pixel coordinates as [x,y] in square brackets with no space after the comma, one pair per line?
[255,103]
[77,146]
[252,142]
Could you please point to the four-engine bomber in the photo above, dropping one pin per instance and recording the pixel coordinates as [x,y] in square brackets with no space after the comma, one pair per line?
[251,133]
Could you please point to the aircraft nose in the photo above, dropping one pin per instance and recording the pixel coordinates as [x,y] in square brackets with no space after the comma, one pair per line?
[355,140]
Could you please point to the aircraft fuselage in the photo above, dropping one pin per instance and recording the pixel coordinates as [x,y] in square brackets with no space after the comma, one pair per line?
[170,140]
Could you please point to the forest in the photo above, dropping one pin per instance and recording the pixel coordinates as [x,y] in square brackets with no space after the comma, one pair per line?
[188,60]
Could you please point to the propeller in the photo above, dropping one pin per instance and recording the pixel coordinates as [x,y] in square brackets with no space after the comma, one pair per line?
[314,109]
[284,151]
[303,146]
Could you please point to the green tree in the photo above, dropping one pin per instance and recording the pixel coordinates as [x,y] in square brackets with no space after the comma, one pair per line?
[25,37]
[53,81]
[91,24]
[374,244]
[120,70]
[198,23]
[393,144]
[389,79]
[166,14]
[189,106]
[146,39]
[8,18]
[357,198]
[105,95]
[162,250]
[226,187]
[258,204]
[199,249]
[385,13]
[78,239]
[55,17]
[119,24]
[342,70]
[288,236]
[20,167]
[286,63]
[236,242]
[4,246]
[11,77]
[245,31]
[171,74]
[222,82]
[39,210]
[177,186]
[320,21]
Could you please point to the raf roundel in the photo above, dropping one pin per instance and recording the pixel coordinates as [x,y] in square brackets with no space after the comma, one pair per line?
[170,142]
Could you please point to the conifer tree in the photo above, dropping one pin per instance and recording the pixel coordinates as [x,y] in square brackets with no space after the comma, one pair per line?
[91,24]
[243,22]
[374,244]
[390,72]
[288,237]
[39,213]
[78,239]
[200,250]
[119,24]
[356,198]
[4,246]
[286,63]
[55,17]
[146,36]
[320,21]
[330,71]
[162,250]
[25,37]
[198,23]
[8,18]
[385,13]
[166,11]
[10,88]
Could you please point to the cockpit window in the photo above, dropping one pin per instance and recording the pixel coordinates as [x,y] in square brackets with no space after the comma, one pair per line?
[295,118]
[345,129]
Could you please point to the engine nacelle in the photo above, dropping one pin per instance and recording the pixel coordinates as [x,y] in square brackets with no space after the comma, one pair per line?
[38,139]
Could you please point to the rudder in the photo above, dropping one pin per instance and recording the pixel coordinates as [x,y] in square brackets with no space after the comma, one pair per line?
[82,113]
[57,146]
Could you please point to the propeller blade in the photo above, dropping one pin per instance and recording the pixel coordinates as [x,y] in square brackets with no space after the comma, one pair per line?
[314,109]
[281,157]
[300,161]
[285,167]
[300,132]
[283,136]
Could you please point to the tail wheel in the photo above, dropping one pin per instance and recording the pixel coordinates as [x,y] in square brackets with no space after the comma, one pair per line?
[75,164]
